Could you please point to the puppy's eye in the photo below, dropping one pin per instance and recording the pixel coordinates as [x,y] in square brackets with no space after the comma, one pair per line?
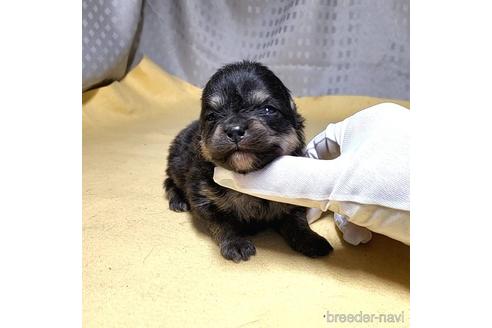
[269,110]
[210,117]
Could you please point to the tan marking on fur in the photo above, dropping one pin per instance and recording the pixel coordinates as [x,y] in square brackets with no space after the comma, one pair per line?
[215,231]
[215,136]
[205,152]
[218,133]
[225,202]
[289,142]
[242,161]
[244,206]
[260,131]
[215,101]
[222,203]
[258,96]
[255,124]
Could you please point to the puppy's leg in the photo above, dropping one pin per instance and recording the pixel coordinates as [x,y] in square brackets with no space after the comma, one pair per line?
[229,236]
[177,200]
[300,237]
[232,246]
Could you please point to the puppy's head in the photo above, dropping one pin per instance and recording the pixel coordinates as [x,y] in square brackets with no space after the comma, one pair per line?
[248,118]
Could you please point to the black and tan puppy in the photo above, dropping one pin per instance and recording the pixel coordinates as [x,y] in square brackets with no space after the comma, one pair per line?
[248,119]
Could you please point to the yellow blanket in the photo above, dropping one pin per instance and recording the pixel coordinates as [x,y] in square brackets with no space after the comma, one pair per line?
[146,266]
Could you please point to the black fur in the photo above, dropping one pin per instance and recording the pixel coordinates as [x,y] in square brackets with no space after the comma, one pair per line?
[247,120]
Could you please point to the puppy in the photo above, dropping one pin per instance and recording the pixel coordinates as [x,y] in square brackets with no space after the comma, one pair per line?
[248,119]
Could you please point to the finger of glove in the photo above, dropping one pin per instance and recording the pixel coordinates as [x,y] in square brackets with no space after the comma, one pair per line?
[322,147]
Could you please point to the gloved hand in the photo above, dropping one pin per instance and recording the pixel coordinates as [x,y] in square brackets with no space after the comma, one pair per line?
[357,168]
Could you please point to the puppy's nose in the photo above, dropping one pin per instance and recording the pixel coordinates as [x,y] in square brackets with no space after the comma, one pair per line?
[235,133]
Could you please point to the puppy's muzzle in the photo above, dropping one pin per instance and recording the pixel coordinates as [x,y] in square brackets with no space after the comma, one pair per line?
[235,133]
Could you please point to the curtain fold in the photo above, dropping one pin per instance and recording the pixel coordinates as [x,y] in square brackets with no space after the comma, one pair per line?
[317,47]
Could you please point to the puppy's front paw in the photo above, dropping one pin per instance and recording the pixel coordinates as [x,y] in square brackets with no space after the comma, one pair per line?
[237,249]
[178,204]
[313,245]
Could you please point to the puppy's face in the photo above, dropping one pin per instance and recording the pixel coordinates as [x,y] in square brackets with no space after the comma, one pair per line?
[248,118]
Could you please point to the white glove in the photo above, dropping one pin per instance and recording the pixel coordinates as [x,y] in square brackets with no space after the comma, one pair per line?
[358,168]
[352,233]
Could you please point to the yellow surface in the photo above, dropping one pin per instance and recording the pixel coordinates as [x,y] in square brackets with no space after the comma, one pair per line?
[145,266]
